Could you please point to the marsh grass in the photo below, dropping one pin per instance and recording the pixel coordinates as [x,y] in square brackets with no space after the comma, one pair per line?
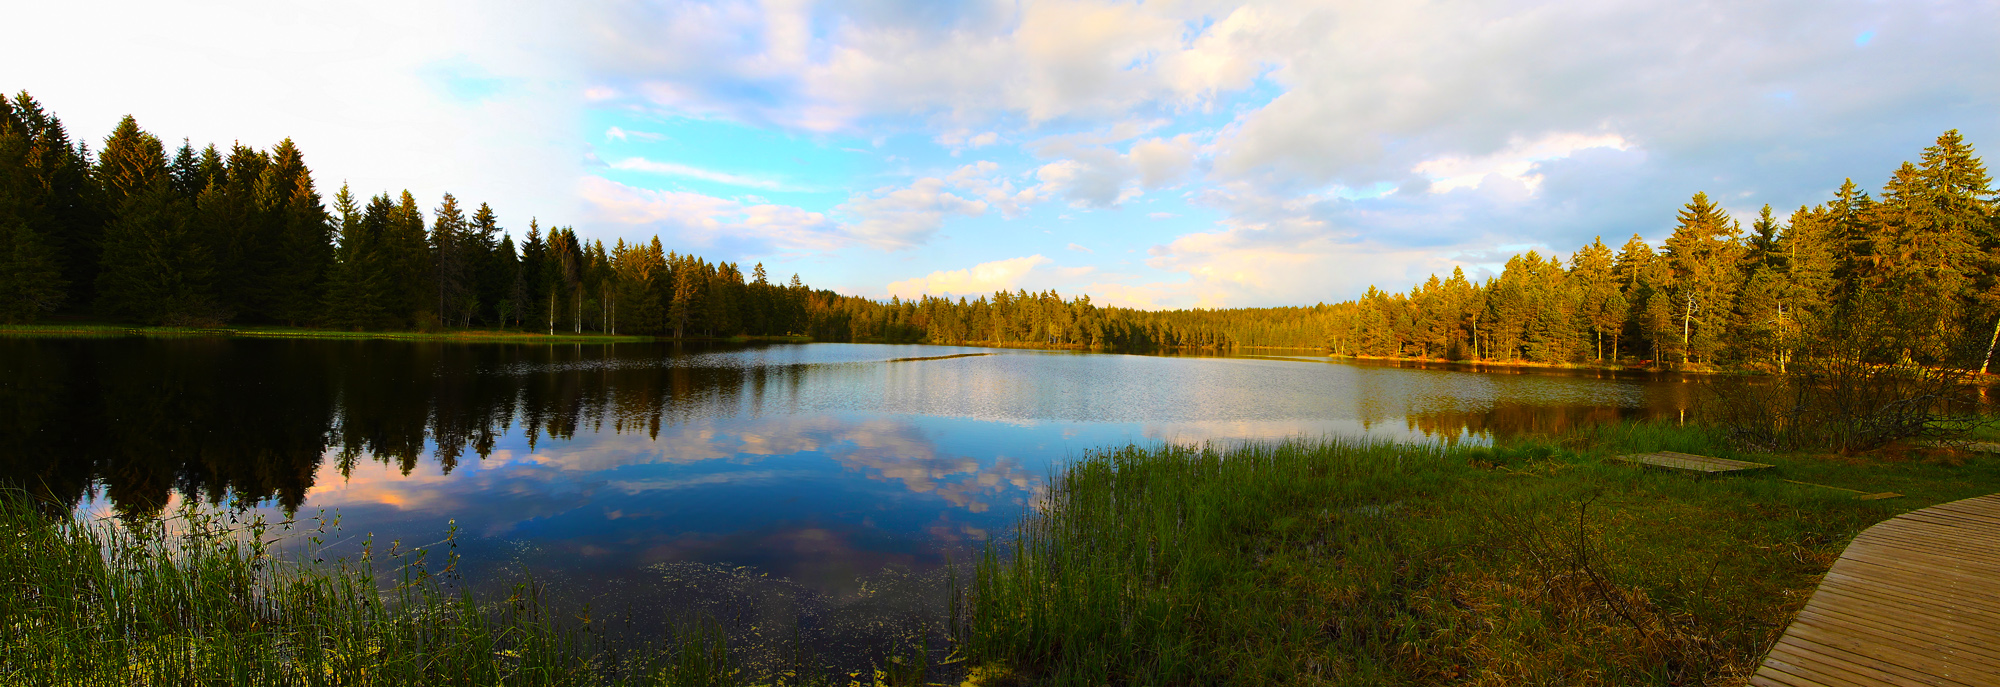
[100,330]
[200,599]
[1345,562]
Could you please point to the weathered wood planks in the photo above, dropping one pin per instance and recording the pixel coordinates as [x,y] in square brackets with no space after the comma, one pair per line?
[1689,461]
[1912,601]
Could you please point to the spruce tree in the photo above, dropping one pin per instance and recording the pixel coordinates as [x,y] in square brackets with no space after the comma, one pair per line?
[301,230]
[358,290]
[31,281]
[1702,258]
[155,269]
[490,273]
[531,284]
[1601,307]
[451,268]
[407,262]
[65,202]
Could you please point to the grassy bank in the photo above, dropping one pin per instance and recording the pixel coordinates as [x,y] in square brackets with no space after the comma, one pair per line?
[1368,564]
[201,600]
[1304,562]
[280,332]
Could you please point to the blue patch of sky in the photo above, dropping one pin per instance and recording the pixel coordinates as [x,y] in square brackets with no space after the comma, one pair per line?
[726,159]
[462,80]
[1864,37]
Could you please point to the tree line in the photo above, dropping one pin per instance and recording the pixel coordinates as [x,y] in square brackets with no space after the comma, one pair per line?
[1923,256]
[204,237]
[1921,259]
[207,236]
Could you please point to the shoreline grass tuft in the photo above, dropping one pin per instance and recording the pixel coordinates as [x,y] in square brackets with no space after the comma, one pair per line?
[1346,562]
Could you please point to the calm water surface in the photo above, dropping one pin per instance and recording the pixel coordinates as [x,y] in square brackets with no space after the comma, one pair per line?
[667,474]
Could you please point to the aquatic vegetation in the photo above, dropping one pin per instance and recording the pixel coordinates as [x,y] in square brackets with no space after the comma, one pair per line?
[1345,562]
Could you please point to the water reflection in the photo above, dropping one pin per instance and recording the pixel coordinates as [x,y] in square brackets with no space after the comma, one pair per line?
[818,464]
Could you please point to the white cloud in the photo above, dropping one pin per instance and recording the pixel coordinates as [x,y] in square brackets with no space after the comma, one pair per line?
[640,164]
[1040,60]
[1163,162]
[619,134]
[737,227]
[895,218]
[1079,248]
[984,278]
[1517,161]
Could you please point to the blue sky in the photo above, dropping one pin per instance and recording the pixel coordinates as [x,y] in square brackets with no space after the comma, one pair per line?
[1159,154]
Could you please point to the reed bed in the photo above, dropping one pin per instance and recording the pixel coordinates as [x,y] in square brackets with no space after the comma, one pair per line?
[1343,562]
[200,599]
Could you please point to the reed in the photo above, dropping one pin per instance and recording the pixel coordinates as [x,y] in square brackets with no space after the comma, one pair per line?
[200,599]
[1349,562]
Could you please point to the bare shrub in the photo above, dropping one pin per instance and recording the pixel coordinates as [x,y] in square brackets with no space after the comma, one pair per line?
[1853,382]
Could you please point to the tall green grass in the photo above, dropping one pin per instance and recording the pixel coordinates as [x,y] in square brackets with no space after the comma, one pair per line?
[1348,562]
[200,599]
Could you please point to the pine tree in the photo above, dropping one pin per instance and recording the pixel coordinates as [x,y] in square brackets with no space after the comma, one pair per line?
[155,269]
[62,202]
[407,262]
[302,233]
[358,290]
[31,281]
[1703,257]
[1602,308]
[450,267]
[491,271]
[531,286]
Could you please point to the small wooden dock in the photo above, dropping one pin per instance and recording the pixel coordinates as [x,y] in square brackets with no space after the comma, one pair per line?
[1689,461]
[1914,600]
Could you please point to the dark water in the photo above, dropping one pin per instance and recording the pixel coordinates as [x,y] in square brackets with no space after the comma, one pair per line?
[661,475]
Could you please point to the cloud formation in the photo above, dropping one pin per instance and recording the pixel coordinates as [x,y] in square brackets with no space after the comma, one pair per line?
[978,280]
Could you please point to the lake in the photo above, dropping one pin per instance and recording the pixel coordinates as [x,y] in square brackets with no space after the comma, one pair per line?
[667,479]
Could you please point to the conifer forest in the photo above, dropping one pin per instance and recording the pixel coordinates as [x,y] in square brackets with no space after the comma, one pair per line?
[131,231]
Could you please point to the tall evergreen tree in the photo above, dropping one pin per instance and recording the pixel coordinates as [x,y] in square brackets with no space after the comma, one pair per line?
[407,261]
[451,267]
[1702,258]
[64,204]
[1603,309]
[302,233]
[31,281]
[490,273]
[154,268]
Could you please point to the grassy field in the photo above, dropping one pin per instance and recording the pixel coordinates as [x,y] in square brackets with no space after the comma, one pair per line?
[1305,562]
[1342,563]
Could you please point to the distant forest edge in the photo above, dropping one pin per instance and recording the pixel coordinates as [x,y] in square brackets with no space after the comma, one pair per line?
[206,237]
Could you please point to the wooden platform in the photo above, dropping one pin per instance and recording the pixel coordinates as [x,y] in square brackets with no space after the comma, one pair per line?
[1689,461]
[1912,601]
[1976,446]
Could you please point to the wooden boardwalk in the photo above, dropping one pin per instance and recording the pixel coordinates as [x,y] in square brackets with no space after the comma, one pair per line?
[1689,461]
[1913,601]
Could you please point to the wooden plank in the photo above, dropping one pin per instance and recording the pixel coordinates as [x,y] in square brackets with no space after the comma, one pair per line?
[1833,669]
[1907,598]
[1912,601]
[1689,461]
[1916,635]
[1929,612]
[1841,668]
[1963,653]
